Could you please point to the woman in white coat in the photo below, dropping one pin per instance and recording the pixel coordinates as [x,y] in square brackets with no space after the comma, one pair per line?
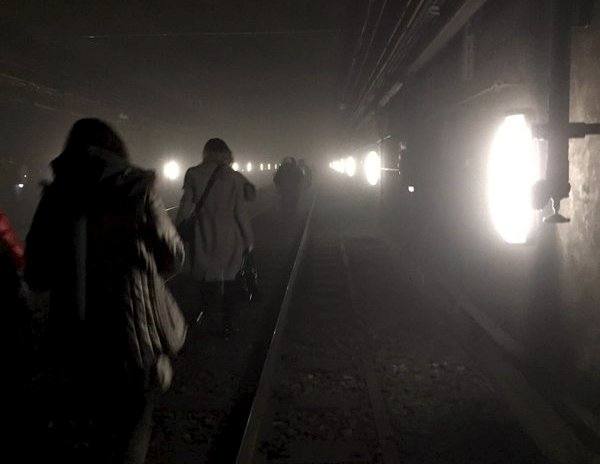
[221,231]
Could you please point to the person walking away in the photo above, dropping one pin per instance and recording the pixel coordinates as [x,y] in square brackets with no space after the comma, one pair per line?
[306,172]
[214,209]
[289,182]
[102,244]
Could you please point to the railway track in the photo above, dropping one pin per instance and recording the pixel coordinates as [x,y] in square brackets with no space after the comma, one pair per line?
[354,362]
[317,382]
[365,366]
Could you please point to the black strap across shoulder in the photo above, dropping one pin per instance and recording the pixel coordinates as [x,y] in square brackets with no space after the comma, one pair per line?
[211,181]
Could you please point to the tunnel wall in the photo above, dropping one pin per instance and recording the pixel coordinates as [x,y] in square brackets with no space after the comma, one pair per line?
[545,294]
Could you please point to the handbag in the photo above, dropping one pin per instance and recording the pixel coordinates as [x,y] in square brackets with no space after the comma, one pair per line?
[187,226]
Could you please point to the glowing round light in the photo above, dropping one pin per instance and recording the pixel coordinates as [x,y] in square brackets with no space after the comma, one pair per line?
[262,166]
[372,168]
[249,167]
[171,170]
[411,188]
[350,166]
[20,186]
[268,166]
[235,166]
[338,166]
[513,168]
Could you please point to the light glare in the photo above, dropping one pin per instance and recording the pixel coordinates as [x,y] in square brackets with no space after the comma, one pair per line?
[171,170]
[249,167]
[235,166]
[350,166]
[372,168]
[513,169]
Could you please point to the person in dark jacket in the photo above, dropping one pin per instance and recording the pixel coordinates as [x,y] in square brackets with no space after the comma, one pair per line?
[289,181]
[16,341]
[102,244]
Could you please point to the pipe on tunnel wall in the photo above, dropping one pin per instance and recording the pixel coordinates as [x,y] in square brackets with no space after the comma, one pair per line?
[557,169]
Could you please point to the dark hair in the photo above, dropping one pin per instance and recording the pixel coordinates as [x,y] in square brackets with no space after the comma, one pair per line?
[217,151]
[91,132]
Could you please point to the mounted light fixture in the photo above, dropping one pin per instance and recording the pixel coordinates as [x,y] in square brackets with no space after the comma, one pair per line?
[512,171]
[372,168]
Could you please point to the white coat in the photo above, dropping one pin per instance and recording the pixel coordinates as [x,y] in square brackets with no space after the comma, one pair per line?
[222,230]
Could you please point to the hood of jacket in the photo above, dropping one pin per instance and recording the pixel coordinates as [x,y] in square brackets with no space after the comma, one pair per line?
[98,176]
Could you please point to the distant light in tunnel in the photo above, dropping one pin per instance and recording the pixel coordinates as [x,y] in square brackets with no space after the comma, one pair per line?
[249,167]
[350,166]
[513,168]
[235,166]
[20,186]
[372,168]
[411,188]
[268,166]
[171,170]
[262,166]
[338,166]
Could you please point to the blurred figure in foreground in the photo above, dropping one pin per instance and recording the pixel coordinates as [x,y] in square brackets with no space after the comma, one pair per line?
[16,342]
[102,244]
[213,219]
[289,181]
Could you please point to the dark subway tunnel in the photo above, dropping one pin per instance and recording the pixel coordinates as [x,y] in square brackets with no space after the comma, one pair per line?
[393,254]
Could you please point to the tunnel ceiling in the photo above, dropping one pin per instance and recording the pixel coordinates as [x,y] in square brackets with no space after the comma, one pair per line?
[177,63]
[391,38]
[184,64]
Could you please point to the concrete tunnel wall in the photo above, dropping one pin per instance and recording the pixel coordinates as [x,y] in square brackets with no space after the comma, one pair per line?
[545,294]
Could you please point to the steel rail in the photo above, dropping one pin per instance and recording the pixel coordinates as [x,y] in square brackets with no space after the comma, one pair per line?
[248,447]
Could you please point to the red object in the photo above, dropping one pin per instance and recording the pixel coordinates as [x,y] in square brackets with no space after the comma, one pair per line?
[9,239]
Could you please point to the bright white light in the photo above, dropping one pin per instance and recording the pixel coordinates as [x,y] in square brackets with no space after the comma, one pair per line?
[249,167]
[268,166]
[172,170]
[372,167]
[411,188]
[350,166]
[21,186]
[262,166]
[338,166]
[235,166]
[513,168]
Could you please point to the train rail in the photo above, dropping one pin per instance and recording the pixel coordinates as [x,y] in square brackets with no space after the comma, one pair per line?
[332,286]
[364,367]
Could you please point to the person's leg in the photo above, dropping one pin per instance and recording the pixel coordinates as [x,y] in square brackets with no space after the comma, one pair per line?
[212,301]
[140,431]
[126,426]
[236,302]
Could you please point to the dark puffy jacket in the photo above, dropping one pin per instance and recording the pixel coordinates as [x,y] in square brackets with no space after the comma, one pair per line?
[103,245]
[10,243]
